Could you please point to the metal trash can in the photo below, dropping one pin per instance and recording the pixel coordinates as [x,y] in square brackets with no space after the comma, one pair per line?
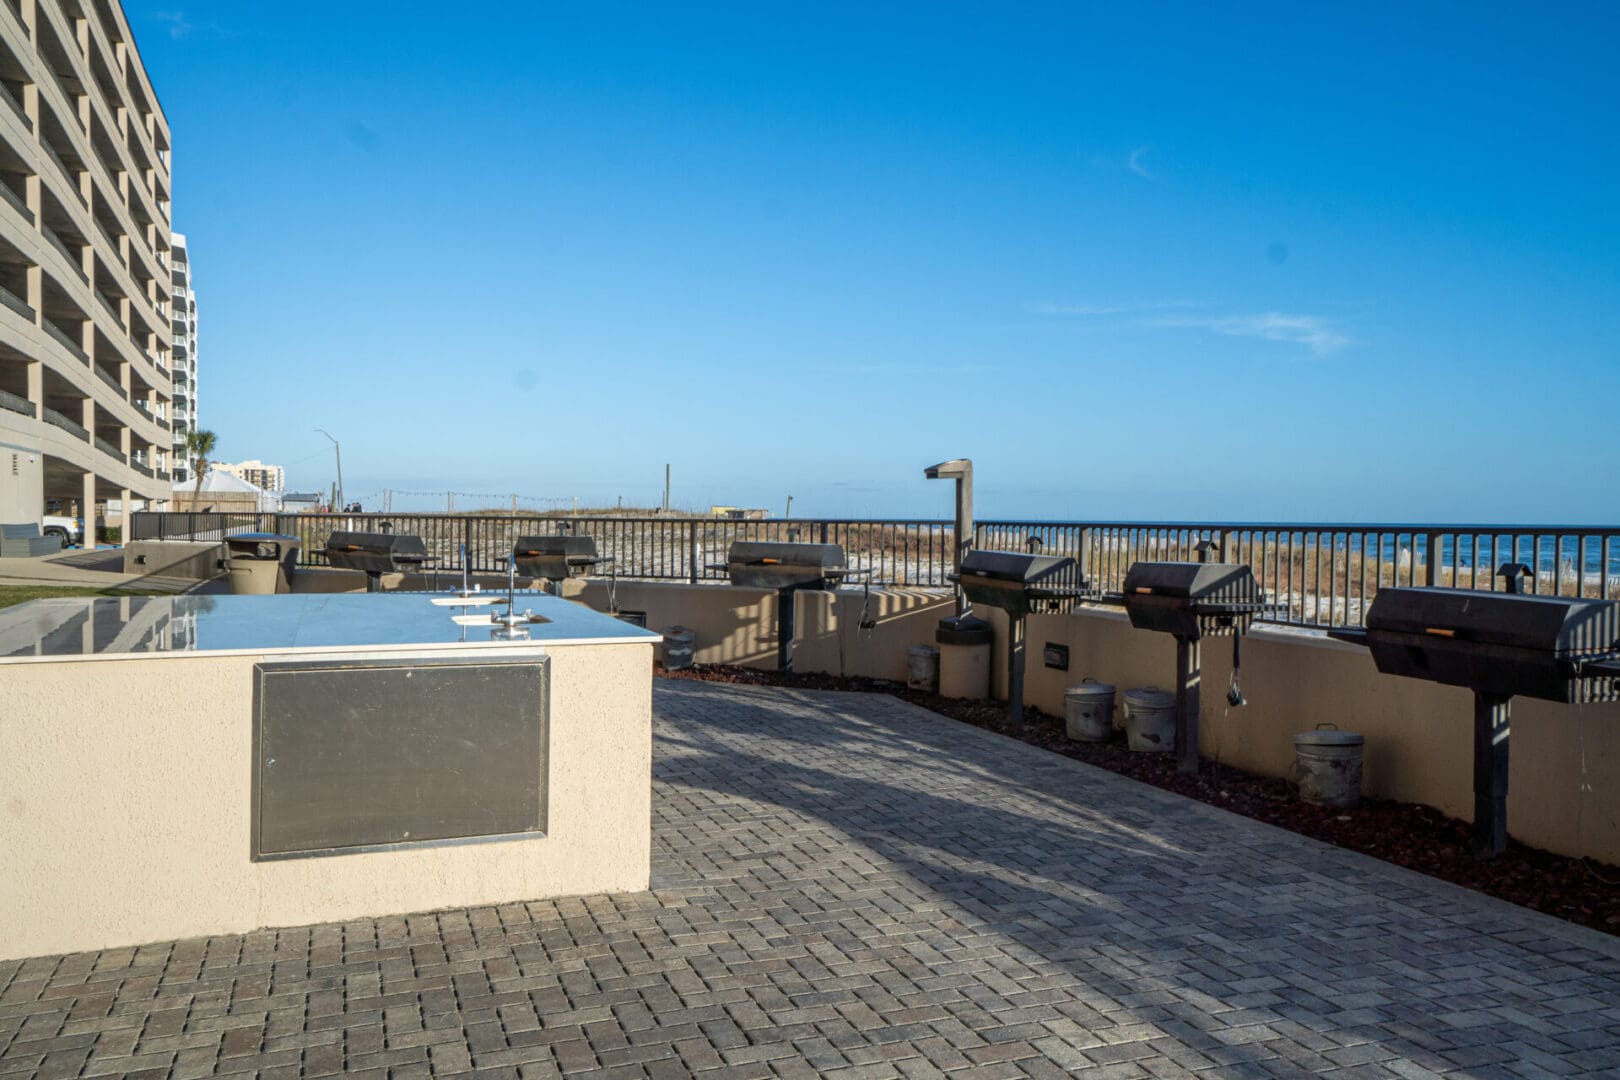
[1327,763]
[1150,720]
[922,668]
[680,645]
[1088,711]
[260,564]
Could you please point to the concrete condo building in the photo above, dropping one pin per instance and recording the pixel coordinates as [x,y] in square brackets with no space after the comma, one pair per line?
[86,381]
[271,478]
[183,411]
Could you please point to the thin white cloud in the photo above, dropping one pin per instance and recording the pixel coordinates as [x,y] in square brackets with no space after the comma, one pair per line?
[1316,334]
[1137,165]
[179,26]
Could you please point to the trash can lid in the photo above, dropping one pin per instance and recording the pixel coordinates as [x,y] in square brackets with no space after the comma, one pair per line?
[1150,697]
[1090,690]
[1329,738]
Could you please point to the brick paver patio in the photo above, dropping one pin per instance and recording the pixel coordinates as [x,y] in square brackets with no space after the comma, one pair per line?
[848,885]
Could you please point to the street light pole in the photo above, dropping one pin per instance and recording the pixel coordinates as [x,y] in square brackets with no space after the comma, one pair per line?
[337,450]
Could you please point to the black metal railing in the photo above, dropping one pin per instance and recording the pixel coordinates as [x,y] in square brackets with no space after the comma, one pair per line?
[1327,574]
[1315,575]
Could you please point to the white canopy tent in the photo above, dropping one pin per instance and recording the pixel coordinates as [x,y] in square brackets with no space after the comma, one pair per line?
[224,491]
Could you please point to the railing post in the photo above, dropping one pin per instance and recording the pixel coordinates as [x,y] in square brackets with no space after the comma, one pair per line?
[1431,569]
[1229,544]
[1083,552]
[692,550]
[823,532]
[466,540]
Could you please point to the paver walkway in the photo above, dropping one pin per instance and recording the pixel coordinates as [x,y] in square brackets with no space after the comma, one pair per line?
[848,885]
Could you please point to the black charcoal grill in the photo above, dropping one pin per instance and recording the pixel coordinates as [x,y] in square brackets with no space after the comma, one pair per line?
[787,568]
[376,554]
[1192,601]
[556,558]
[1019,584]
[1500,646]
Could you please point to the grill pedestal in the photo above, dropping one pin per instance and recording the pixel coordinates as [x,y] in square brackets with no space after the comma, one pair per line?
[1500,645]
[1189,698]
[1191,601]
[1492,722]
[1018,583]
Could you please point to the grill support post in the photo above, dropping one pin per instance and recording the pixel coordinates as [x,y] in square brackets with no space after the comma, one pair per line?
[1015,673]
[784,630]
[1188,695]
[1492,723]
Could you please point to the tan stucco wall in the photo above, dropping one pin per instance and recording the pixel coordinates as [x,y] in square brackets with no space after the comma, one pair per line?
[733,626]
[198,560]
[124,819]
[1419,734]
[828,636]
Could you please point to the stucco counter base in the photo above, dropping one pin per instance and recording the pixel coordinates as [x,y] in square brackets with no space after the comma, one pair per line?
[126,772]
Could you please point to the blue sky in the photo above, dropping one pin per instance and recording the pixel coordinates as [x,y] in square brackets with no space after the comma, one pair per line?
[810,250]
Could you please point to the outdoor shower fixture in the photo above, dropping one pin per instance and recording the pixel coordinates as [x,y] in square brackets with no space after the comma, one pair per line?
[962,628]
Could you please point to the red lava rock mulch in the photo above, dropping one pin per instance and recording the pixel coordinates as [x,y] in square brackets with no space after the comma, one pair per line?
[1417,837]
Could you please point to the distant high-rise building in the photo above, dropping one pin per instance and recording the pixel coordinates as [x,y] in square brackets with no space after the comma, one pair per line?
[272,478]
[184,367]
[85,276]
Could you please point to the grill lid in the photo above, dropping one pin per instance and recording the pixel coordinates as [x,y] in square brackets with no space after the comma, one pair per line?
[394,545]
[1555,624]
[1207,582]
[581,547]
[771,553]
[1016,566]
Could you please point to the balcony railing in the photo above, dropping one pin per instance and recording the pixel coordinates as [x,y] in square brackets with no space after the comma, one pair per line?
[16,202]
[15,302]
[73,260]
[65,341]
[112,308]
[118,388]
[12,403]
[142,468]
[11,102]
[111,242]
[111,450]
[54,417]
[70,175]
[164,476]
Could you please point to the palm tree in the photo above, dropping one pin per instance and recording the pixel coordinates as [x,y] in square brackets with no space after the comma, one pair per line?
[199,444]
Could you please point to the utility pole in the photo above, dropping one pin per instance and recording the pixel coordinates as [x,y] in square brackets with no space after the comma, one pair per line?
[789,511]
[514,504]
[449,502]
[337,450]
[666,488]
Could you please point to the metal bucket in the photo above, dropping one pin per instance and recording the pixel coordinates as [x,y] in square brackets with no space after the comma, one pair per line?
[1327,763]
[1088,711]
[922,668]
[1150,720]
[679,644]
